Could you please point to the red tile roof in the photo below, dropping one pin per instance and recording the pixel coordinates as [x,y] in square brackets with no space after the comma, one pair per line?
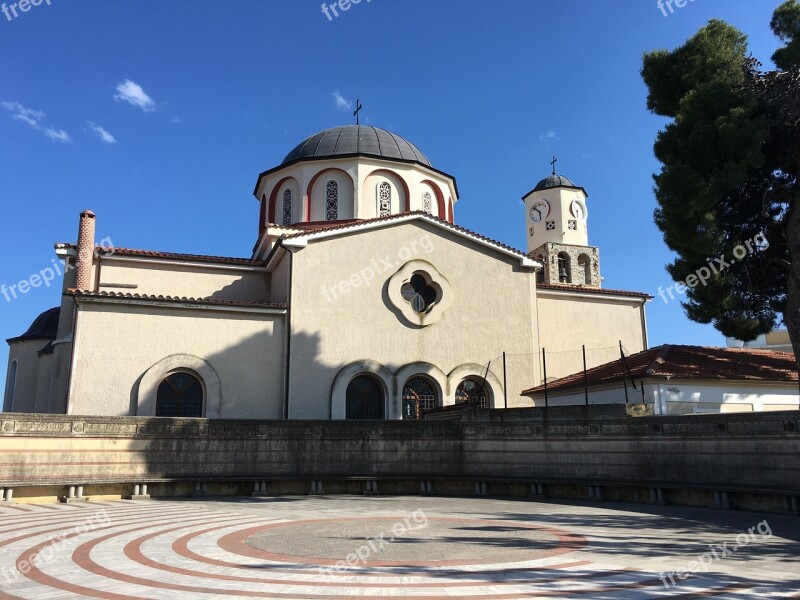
[591,290]
[690,362]
[106,251]
[173,299]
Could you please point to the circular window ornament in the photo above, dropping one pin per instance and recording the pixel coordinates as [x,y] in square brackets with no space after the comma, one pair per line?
[419,293]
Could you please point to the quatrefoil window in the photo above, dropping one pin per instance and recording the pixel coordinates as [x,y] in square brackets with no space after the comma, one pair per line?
[418,293]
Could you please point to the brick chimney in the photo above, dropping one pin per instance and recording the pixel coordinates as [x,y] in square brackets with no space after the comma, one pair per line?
[83,277]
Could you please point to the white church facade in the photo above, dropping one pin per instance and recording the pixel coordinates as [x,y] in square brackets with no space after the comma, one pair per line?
[362,299]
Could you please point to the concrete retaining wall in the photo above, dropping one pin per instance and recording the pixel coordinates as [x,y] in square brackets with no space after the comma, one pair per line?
[739,460]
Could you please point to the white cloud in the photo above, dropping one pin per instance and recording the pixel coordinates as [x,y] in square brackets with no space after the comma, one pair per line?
[22,113]
[58,135]
[177,120]
[26,119]
[549,136]
[132,93]
[102,133]
[34,118]
[341,102]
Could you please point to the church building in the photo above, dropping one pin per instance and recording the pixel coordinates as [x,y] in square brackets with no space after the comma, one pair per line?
[361,299]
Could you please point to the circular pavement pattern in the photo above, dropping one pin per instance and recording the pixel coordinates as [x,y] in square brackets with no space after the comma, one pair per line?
[339,548]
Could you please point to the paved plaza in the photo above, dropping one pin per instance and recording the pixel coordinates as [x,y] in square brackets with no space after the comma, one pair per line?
[371,547]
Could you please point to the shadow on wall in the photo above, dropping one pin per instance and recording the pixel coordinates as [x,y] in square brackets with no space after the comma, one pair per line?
[244,381]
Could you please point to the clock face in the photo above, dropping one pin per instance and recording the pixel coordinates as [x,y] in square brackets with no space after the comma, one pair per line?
[578,209]
[539,210]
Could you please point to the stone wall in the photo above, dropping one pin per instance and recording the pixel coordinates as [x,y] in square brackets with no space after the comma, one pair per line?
[749,460]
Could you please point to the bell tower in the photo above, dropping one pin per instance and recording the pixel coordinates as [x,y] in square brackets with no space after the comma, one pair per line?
[557,230]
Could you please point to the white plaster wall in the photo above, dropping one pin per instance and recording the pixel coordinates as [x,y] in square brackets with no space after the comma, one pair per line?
[333,331]
[569,320]
[153,277]
[117,343]
[25,354]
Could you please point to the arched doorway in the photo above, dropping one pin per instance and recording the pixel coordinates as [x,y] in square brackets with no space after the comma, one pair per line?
[180,395]
[419,395]
[364,399]
[473,390]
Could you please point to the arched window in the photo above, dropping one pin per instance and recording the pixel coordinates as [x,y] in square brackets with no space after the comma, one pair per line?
[287,207]
[384,199]
[427,202]
[180,395]
[585,263]
[364,398]
[473,390]
[331,201]
[419,395]
[540,273]
[564,268]
[11,385]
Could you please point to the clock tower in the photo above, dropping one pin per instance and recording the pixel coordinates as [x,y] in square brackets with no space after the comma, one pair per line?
[557,229]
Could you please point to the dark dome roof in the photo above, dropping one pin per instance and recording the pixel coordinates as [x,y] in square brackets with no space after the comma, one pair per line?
[44,327]
[357,139]
[553,181]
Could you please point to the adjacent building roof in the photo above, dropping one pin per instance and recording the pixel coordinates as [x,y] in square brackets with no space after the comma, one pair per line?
[363,140]
[688,362]
[44,327]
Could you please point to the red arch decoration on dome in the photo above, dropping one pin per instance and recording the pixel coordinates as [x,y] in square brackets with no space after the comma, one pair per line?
[406,191]
[307,199]
[442,214]
[450,211]
[274,196]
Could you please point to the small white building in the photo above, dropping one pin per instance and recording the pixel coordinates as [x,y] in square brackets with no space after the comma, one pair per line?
[778,339]
[678,380]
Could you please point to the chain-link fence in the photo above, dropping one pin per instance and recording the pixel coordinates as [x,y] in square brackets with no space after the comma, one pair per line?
[569,375]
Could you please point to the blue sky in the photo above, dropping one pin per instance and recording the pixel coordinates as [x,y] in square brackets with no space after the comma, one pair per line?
[488,90]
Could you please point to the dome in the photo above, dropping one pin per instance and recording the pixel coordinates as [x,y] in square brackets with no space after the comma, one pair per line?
[356,140]
[44,327]
[554,181]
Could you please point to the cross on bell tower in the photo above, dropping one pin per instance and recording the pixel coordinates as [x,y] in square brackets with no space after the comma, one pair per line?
[553,163]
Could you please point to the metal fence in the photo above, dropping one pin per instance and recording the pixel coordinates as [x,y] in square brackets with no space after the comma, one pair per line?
[521,372]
